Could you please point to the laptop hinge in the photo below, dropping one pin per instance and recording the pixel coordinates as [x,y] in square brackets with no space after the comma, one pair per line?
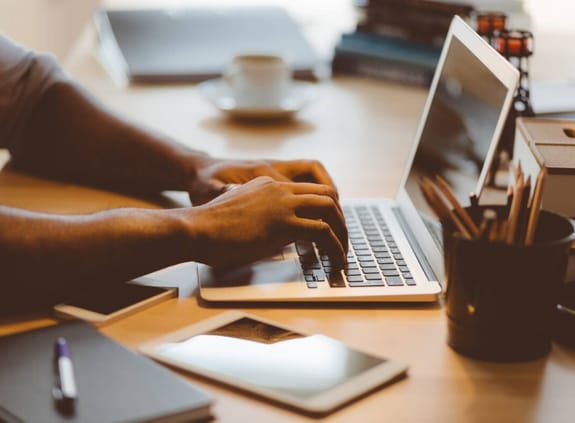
[423,262]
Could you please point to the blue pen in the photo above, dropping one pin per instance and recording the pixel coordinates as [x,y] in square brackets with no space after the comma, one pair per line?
[65,391]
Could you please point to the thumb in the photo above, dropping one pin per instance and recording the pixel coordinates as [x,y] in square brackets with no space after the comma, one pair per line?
[205,192]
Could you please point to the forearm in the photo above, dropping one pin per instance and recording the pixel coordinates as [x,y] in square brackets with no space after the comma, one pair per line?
[45,258]
[70,136]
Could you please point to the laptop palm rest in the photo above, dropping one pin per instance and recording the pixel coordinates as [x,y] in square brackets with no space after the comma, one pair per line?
[259,273]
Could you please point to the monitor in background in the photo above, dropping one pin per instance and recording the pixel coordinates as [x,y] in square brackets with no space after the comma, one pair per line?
[193,44]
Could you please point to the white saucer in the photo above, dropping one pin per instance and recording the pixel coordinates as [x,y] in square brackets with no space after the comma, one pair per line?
[217,92]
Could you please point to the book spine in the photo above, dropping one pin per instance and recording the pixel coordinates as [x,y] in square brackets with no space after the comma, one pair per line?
[389,48]
[361,65]
[431,39]
[419,18]
[426,6]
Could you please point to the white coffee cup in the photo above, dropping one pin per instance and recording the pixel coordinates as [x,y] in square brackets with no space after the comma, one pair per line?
[258,80]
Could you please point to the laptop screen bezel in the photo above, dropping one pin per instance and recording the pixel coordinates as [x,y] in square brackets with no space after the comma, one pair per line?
[509,77]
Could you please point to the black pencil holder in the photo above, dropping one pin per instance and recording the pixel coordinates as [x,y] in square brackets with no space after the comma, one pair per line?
[501,299]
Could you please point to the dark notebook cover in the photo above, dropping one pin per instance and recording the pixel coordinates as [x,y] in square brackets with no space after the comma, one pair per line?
[197,43]
[114,384]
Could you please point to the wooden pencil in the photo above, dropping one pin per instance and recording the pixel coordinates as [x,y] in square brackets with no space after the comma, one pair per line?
[523,213]
[535,208]
[459,211]
[442,210]
[508,200]
[514,211]
[488,226]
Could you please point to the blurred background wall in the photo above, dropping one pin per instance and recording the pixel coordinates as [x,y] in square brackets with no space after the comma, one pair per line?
[47,25]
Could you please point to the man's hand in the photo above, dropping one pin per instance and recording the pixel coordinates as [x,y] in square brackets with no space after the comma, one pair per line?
[263,215]
[212,175]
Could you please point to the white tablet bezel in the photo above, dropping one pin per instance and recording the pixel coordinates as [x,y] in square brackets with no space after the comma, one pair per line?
[324,403]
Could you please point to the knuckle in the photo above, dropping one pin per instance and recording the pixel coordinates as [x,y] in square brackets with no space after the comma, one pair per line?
[264,180]
[328,191]
[327,203]
[323,227]
[315,164]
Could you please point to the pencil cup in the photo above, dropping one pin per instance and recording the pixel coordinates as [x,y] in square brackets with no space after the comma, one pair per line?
[501,299]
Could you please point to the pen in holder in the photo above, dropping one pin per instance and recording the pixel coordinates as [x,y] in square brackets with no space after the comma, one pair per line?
[504,265]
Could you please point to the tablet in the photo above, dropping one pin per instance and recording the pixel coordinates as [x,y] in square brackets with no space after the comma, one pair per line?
[312,373]
[107,304]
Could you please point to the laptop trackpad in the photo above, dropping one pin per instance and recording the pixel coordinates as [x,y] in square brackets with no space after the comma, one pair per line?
[259,273]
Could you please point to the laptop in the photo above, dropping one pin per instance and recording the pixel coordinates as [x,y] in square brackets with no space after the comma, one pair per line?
[395,244]
[194,44]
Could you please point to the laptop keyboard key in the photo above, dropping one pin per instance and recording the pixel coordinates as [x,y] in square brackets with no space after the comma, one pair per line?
[355,278]
[319,276]
[394,281]
[375,283]
[385,260]
[355,284]
[362,259]
[373,277]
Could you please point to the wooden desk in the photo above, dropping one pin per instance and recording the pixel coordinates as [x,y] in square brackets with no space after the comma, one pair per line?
[362,131]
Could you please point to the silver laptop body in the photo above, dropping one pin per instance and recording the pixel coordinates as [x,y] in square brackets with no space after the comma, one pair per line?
[462,119]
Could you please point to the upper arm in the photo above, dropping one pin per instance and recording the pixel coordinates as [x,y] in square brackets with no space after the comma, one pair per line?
[24,78]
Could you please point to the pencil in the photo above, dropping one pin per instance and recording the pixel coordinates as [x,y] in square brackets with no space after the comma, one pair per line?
[488,225]
[494,231]
[514,211]
[441,210]
[459,211]
[535,208]
[523,212]
[502,232]
[513,171]
[508,199]
[518,171]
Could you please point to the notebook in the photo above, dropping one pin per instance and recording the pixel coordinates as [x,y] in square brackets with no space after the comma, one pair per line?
[398,254]
[193,44]
[113,383]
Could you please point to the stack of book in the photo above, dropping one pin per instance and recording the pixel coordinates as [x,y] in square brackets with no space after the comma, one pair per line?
[398,40]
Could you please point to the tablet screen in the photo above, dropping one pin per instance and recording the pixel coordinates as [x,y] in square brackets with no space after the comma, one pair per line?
[271,358]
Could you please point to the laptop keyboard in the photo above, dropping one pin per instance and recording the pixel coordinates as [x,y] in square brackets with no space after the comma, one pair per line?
[373,258]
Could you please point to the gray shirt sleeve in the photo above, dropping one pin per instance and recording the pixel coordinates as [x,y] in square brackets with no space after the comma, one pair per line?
[24,77]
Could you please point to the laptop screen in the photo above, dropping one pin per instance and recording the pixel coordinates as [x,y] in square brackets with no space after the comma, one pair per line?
[460,125]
